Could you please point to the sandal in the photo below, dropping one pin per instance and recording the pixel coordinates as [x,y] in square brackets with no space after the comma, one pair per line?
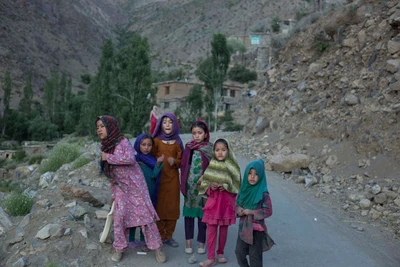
[207,263]
[171,242]
[221,259]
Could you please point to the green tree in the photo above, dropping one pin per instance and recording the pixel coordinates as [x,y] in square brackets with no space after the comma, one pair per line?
[192,108]
[242,74]
[26,102]
[133,90]
[6,100]
[49,98]
[212,71]
[275,24]
[98,98]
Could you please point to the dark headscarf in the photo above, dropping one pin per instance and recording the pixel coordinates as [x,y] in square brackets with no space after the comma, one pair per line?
[204,147]
[114,137]
[148,160]
[250,195]
[174,135]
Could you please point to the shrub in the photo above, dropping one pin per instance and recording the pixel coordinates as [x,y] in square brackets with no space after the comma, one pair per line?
[10,186]
[19,155]
[17,204]
[301,13]
[251,85]
[36,159]
[275,24]
[241,74]
[61,154]
[79,162]
[321,43]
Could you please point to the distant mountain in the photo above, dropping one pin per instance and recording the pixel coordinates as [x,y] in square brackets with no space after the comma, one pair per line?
[39,36]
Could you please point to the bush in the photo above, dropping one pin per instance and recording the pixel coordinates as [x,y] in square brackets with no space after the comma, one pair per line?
[79,162]
[10,186]
[35,159]
[17,204]
[241,74]
[19,155]
[321,43]
[61,154]
[301,13]
[275,24]
[251,85]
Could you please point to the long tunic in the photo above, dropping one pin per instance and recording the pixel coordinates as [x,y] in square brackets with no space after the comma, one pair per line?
[151,178]
[169,190]
[132,204]
[193,203]
[219,208]
[264,210]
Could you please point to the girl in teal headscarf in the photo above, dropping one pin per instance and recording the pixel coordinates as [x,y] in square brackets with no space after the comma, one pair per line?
[253,205]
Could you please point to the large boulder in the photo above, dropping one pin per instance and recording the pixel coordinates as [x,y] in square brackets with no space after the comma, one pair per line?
[289,163]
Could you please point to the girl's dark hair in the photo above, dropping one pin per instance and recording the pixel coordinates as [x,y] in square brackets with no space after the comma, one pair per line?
[199,124]
[223,141]
[148,136]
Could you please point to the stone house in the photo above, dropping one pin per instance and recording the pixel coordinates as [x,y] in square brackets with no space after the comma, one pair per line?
[172,94]
[7,154]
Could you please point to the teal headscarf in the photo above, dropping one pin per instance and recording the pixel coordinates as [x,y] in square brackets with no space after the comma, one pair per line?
[250,195]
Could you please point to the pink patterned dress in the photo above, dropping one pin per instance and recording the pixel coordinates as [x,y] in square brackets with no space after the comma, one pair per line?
[132,203]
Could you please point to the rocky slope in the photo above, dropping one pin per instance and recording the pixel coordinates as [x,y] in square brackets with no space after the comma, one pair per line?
[337,112]
[38,37]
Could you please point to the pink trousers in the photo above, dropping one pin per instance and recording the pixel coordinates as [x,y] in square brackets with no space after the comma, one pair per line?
[212,231]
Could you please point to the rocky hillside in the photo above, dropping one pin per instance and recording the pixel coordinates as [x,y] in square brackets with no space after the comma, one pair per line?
[38,37]
[336,112]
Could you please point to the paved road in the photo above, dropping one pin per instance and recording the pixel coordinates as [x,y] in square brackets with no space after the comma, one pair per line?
[306,233]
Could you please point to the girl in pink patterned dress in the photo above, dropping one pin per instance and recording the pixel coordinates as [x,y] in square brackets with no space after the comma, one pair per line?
[132,203]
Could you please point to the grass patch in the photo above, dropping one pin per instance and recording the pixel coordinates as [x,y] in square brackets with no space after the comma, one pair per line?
[61,154]
[17,204]
[79,162]
[36,159]
[10,186]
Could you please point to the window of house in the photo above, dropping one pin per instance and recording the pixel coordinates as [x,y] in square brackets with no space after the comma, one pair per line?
[255,40]
[227,107]
[232,94]
[166,90]
[166,104]
[225,92]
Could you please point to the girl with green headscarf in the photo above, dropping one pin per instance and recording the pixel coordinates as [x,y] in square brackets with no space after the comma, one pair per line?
[253,205]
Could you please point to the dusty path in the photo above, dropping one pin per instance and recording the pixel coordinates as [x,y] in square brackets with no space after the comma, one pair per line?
[307,233]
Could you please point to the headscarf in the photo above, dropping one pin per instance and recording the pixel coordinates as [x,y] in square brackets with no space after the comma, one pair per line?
[114,137]
[148,160]
[204,147]
[174,135]
[225,172]
[250,195]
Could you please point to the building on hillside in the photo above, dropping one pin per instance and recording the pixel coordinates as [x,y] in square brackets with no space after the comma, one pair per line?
[7,154]
[287,26]
[172,94]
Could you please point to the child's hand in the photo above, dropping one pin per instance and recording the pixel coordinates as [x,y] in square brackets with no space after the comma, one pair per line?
[160,159]
[247,212]
[214,186]
[200,180]
[171,161]
[240,212]
[103,156]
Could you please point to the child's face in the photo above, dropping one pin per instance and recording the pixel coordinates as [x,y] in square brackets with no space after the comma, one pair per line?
[146,145]
[198,134]
[252,177]
[101,130]
[220,151]
[167,126]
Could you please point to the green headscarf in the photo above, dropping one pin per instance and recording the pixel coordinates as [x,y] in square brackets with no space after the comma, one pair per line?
[250,195]
[225,172]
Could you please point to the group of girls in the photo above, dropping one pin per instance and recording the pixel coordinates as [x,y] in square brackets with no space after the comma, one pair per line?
[210,182]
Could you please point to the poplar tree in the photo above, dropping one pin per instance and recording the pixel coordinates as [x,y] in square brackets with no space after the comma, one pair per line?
[212,71]
[26,102]
[6,100]
[133,91]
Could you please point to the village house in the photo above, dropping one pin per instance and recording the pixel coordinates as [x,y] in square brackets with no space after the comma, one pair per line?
[172,94]
[7,154]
